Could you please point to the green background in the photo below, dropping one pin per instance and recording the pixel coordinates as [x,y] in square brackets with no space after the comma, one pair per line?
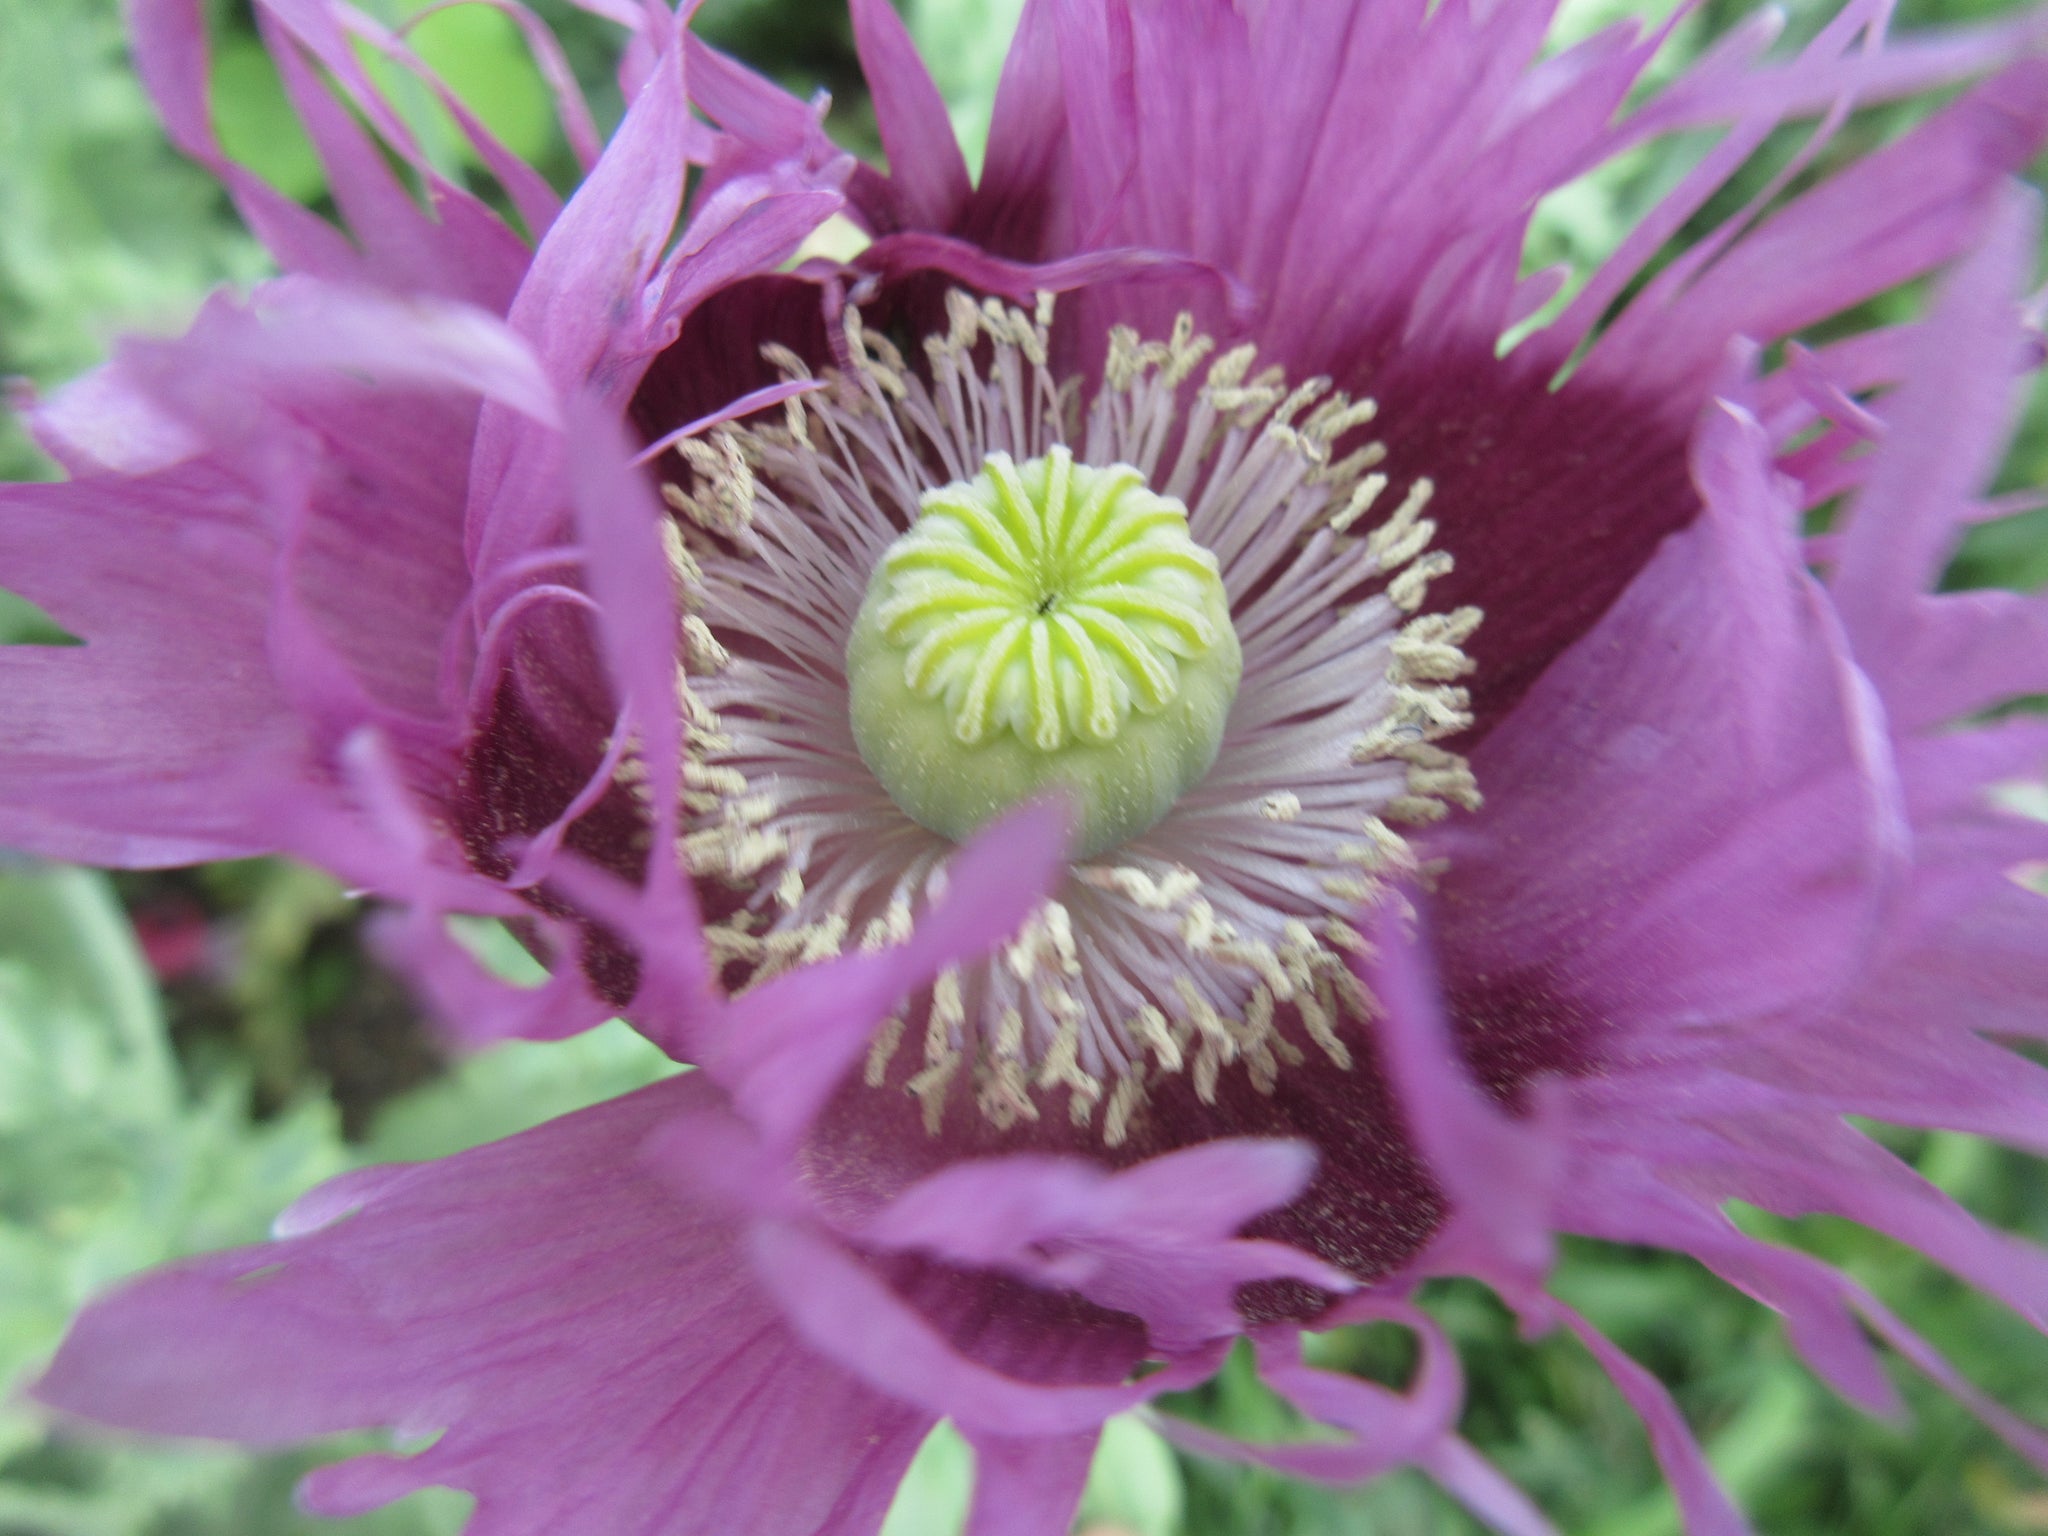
[140,1120]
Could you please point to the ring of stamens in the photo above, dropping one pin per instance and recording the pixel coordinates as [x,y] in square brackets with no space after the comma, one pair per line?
[1219,939]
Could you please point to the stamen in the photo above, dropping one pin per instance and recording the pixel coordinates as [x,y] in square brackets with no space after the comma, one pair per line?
[1103,541]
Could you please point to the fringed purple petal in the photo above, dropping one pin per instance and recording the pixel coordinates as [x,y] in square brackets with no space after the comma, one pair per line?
[851,1317]
[399,854]
[782,1048]
[2016,1432]
[1477,1484]
[750,108]
[380,838]
[1892,1062]
[1948,425]
[1618,1200]
[1028,1487]
[1016,205]
[606,296]
[1905,66]
[909,254]
[583,299]
[170,56]
[459,248]
[313,434]
[1826,1312]
[365,401]
[531,197]
[1889,217]
[305,471]
[1700,1497]
[927,172]
[764,131]
[1854,365]
[1386,101]
[1498,1174]
[1156,1241]
[630,580]
[1814,1166]
[473,1007]
[572,111]
[1691,821]
[143,746]
[1384,1428]
[596,1354]
[378,835]
[461,251]
[1718,79]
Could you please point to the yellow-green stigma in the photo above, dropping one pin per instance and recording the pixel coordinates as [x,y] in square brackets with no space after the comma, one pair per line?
[1044,624]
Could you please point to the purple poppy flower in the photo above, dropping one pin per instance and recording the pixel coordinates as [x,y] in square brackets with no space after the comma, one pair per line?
[1171,789]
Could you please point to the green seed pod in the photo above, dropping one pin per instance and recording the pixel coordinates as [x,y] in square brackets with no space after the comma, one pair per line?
[1043,625]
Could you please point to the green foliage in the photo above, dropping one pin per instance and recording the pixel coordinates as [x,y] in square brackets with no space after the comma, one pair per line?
[103,228]
[109,1165]
[255,120]
[964,42]
[23,623]
[932,1499]
[1134,1485]
[113,1160]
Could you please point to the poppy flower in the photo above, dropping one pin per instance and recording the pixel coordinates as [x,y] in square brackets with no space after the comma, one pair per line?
[1172,786]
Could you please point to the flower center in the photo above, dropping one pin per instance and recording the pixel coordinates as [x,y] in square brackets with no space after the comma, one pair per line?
[1044,624]
[872,667]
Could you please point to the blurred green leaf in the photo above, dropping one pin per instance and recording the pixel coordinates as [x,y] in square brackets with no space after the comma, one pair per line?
[481,57]
[103,227]
[23,623]
[1134,1486]
[255,120]
[932,1498]
[107,1167]
[964,43]
[511,1088]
